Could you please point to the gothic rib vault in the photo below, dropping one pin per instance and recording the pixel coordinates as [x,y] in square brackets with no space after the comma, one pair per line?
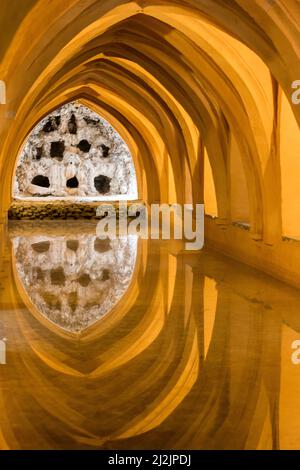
[186,84]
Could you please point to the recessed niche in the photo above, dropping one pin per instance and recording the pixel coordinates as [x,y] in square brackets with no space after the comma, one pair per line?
[57,149]
[52,124]
[105,151]
[39,153]
[84,280]
[58,277]
[42,181]
[101,246]
[102,184]
[52,301]
[84,145]
[73,245]
[48,127]
[72,125]
[41,247]
[72,183]
[105,275]
[39,274]
[91,122]
[73,300]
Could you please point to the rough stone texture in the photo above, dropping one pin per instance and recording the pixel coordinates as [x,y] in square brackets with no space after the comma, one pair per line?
[69,281]
[74,142]
[56,210]
[102,184]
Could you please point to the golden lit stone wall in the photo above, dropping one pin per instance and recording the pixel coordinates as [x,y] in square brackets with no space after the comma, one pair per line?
[173,78]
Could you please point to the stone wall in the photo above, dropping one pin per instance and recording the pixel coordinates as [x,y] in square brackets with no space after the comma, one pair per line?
[61,209]
[75,153]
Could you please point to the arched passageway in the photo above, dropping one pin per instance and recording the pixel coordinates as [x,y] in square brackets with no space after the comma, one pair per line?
[114,342]
[200,92]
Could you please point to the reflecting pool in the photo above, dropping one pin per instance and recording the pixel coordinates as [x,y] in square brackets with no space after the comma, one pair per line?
[135,344]
[73,279]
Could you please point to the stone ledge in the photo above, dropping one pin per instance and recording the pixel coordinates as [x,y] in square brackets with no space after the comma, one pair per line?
[21,210]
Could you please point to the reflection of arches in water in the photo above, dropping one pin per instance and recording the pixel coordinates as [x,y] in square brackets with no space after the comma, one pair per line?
[74,280]
[158,361]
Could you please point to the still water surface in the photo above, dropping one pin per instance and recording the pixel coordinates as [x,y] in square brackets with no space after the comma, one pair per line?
[132,344]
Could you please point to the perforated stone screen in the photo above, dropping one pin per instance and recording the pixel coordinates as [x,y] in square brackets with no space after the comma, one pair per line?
[74,153]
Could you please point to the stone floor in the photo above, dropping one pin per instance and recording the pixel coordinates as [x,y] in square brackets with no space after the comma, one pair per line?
[197,353]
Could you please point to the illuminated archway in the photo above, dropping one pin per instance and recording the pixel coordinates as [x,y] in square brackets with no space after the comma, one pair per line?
[172,79]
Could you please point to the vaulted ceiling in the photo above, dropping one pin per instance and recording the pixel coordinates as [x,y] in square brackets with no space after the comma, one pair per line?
[171,76]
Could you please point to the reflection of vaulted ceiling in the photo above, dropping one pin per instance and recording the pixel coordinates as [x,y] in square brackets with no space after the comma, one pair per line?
[170,76]
[178,363]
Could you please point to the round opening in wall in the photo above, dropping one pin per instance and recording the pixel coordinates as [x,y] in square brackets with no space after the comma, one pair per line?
[102,184]
[84,146]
